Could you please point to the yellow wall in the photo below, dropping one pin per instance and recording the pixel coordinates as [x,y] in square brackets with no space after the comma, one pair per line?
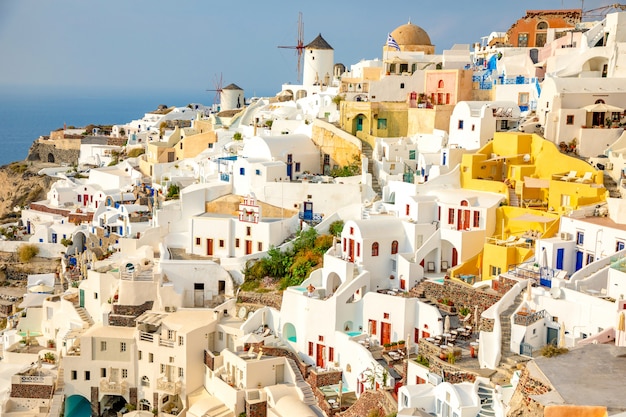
[342,152]
[394,112]
[194,144]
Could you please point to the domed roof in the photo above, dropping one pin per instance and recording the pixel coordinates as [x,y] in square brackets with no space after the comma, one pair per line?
[410,34]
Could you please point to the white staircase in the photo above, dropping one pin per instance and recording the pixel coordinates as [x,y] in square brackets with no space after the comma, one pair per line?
[485,393]
[84,316]
[513,198]
[307,392]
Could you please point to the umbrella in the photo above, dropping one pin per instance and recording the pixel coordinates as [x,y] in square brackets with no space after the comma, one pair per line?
[40,289]
[602,108]
[446,325]
[529,290]
[340,390]
[562,335]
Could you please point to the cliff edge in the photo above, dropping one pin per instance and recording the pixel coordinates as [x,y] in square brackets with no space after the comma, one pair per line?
[20,184]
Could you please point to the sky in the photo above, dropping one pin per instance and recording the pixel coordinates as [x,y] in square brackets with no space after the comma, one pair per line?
[118,46]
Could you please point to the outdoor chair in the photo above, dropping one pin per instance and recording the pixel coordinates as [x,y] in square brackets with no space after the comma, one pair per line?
[569,177]
[585,179]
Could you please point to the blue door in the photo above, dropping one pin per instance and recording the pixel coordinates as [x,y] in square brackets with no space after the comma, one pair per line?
[359,123]
[579,260]
[289,164]
[559,258]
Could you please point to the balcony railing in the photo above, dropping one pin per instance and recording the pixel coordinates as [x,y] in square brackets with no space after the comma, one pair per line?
[171,388]
[166,343]
[146,337]
[526,319]
[113,387]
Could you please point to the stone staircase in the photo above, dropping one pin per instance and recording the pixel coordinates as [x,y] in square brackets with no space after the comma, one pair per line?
[508,360]
[307,392]
[219,410]
[84,316]
[611,186]
[485,393]
[368,151]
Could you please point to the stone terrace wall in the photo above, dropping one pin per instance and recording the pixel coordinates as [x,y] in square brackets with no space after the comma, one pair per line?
[368,401]
[521,405]
[31,391]
[460,294]
[267,299]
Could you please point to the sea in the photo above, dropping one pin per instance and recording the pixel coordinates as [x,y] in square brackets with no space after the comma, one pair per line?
[27,113]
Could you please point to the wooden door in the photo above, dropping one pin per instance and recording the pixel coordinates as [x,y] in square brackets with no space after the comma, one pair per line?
[320,355]
[351,250]
[385,333]
[209,247]
[248,247]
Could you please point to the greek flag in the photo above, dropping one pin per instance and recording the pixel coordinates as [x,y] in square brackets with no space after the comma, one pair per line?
[392,42]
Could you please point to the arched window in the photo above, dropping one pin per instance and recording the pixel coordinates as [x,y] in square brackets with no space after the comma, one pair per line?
[464,203]
[440,84]
[145,381]
[394,247]
[375,249]
[542,26]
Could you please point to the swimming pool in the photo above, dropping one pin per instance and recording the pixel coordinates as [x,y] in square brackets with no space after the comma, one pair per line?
[354,333]
[292,339]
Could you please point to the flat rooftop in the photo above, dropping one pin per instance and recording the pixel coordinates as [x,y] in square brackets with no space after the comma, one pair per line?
[589,375]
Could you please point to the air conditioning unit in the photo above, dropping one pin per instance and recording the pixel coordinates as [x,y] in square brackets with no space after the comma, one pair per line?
[170,309]
[565,236]
[609,166]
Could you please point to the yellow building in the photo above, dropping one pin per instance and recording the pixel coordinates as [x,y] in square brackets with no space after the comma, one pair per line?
[181,144]
[539,184]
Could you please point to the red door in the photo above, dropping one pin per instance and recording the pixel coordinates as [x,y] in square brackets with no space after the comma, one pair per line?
[320,355]
[416,335]
[402,284]
[385,333]
[455,257]
[248,247]
[85,199]
[351,250]
[209,247]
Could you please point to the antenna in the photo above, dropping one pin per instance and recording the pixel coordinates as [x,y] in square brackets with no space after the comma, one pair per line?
[217,83]
[299,47]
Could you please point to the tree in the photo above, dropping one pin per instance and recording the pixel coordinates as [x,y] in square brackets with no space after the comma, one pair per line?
[237,136]
[335,228]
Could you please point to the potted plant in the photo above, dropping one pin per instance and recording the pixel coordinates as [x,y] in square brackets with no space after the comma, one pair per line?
[394,345]
[451,358]
[401,344]
[51,343]
[387,347]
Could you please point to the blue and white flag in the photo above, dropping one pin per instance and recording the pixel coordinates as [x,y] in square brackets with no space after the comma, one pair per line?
[392,42]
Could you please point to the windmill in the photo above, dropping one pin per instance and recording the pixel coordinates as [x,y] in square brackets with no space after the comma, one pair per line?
[218,84]
[299,47]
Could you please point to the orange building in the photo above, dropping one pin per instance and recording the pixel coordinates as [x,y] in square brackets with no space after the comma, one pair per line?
[532,30]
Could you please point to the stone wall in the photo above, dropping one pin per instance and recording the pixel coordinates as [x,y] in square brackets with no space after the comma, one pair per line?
[486,325]
[341,146]
[31,391]
[437,366]
[125,315]
[281,352]
[133,398]
[258,409]
[48,152]
[321,379]
[505,284]
[266,299]
[369,400]
[95,404]
[521,405]
[462,295]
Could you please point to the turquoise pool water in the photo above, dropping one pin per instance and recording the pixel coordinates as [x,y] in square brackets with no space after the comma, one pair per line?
[292,339]
[301,289]
[352,334]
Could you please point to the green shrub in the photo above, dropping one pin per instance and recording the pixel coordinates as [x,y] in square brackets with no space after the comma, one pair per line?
[27,252]
[237,136]
[336,227]
[135,152]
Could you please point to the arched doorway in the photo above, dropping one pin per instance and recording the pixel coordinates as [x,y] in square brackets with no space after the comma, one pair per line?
[51,157]
[332,283]
[289,332]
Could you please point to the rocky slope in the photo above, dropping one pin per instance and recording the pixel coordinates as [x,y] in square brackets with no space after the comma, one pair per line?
[20,185]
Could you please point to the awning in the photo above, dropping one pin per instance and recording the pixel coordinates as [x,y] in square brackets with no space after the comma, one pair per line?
[603,108]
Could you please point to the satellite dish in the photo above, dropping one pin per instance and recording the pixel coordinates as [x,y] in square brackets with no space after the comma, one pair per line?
[242,313]
[526,158]
[555,292]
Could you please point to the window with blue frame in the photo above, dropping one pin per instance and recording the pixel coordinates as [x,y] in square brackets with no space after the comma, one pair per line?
[619,245]
[460,125]
[54,238]
[382,123]
[580,238]
[257,172]
[297,166]
[242,171]
[412,154]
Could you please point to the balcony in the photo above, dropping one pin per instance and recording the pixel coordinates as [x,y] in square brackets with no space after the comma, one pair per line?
[112,387]
[171,388]
[524,318]
[166,343]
